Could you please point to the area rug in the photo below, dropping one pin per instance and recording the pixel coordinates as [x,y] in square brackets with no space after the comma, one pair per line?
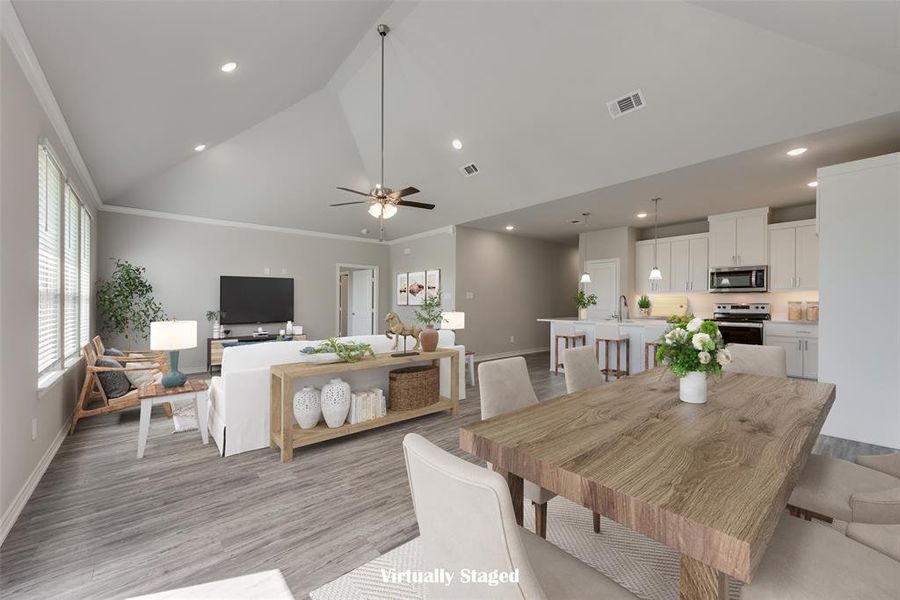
[647,568]
[184,415]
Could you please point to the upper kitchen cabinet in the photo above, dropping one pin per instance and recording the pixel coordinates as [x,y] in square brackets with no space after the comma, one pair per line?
[644,261]
[683,261]
[739,238]
[794,256]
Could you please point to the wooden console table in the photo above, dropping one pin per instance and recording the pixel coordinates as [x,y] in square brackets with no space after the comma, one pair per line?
[284,434]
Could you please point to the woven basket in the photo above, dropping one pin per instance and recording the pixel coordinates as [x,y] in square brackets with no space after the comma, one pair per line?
[414,387]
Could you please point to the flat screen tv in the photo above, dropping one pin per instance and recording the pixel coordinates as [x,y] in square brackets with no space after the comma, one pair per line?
[256,299]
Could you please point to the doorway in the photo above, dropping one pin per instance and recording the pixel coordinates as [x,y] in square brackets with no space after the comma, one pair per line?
[605,284]
[357,299]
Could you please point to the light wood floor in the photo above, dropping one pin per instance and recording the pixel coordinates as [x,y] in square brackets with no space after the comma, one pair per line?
[102,524]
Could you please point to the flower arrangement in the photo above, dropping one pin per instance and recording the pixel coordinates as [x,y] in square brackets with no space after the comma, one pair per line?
[583,300]
[347,351]
[693,345]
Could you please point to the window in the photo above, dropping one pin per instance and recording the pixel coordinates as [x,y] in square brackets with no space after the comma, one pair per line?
[64,266]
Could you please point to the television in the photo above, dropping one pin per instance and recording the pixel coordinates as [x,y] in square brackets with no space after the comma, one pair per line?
[256,299]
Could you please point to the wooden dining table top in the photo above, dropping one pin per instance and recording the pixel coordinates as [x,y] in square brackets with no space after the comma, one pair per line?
[709,480]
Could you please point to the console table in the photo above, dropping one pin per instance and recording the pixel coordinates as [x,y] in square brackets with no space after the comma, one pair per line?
[215,346]
[285,435]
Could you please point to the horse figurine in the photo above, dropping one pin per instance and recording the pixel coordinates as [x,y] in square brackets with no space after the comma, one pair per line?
[399,329]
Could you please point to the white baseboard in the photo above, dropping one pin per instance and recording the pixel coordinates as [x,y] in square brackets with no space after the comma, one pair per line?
[15,509]
[511,353]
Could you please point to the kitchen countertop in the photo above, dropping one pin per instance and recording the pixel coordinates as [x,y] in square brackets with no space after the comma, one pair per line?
[637,322]
[781,321]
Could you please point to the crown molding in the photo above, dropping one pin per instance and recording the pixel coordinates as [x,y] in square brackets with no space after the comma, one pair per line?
[155,214]
[21,48]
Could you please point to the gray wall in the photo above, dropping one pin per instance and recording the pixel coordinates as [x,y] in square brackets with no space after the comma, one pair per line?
[437,251]
[513,281]
[24,123]
[618,243]
[185,259]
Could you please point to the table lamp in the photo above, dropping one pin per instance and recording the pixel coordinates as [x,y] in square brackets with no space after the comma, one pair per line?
[172,336]
[453,320]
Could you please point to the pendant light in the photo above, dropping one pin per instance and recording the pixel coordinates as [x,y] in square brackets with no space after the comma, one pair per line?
[585,277]
[655,273]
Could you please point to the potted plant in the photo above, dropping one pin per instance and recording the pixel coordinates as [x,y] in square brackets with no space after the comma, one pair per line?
[644,305]
[214,317]
[429,315]
[693,349]
[582,302]
[125,302]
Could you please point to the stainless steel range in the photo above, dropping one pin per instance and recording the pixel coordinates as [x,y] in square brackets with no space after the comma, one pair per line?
[742,323]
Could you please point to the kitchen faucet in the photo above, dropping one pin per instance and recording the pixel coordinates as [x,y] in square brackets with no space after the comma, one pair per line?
[622,299]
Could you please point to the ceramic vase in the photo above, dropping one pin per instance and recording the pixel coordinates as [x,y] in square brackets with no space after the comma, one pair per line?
[217,330]
[692,388]
[645,312]
[582,314]
[335,402]
[429,339]
[307,407]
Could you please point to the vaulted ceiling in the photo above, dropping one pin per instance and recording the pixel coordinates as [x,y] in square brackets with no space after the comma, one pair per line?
[523,85]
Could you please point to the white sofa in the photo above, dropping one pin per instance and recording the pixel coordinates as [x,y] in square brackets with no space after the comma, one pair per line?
[239,397]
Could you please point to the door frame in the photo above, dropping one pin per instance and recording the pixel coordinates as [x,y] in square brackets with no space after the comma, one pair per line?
[337,294]
[614,261]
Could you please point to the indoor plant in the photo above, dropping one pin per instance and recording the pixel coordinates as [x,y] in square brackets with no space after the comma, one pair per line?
[428,316]
[125,301]
[644,305]
[583,301]
[693,349]
[214,317]
[346,351]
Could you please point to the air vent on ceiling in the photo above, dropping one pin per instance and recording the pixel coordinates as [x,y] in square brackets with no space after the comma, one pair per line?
[626,104]
[468,170]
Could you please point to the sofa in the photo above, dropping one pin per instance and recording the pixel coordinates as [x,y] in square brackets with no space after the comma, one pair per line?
[239,397]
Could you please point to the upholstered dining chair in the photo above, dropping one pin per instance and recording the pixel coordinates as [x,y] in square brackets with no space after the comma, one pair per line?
[757,360]
[582,370]
[504,386]
[466,521]
[886,463]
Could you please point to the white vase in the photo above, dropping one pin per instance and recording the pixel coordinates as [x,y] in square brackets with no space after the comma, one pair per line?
[217,332]
[335,402]
[307,407]
[582,314]
[692,388]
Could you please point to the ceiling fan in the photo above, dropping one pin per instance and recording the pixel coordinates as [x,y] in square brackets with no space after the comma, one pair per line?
[383,201]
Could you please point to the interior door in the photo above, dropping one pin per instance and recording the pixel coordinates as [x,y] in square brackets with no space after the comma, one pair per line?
[782,251]
[605,284]
[361,298]
[807,258]
[681,265]
[344,303]
[750,231]
[699,275]
[723,241]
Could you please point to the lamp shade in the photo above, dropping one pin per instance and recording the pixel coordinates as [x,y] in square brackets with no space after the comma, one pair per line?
[655,274]
[454,320]
[173,335]
[585,278]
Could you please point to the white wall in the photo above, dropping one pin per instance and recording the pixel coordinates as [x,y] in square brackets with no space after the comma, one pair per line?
[859,287]
[433,251]
[617,242]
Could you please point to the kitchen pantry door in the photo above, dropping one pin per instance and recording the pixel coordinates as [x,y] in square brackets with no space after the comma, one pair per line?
[605,284]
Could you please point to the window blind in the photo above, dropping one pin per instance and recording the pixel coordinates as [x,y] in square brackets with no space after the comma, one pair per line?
[84,268]
[71,283]
[49,202]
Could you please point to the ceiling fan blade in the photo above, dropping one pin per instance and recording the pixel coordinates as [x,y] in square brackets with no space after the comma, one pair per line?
[348,203]
[353,191]
[409,191]
[415,204]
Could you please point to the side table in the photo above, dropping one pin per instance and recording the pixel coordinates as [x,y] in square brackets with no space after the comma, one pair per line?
[193,389]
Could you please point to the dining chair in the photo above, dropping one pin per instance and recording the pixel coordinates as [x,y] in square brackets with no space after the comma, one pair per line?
[504,386]
[883,538]
[566,331]
[582,370]
[466,521]
[886,463]
[757,360]
[830,488]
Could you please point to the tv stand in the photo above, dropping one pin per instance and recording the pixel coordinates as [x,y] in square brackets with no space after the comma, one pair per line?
[215,347]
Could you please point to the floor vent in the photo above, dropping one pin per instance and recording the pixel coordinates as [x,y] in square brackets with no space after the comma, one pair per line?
[626,104]
[468,170]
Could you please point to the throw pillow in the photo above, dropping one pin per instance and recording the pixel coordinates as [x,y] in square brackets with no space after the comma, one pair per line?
[140,378]
[114,383]
[113,352]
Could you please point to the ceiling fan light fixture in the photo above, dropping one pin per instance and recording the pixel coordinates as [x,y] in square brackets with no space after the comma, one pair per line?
[375,209]
[388,211]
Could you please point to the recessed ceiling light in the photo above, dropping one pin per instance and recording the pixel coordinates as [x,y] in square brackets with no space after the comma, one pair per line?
[200,148]
[457,144]
[642,215]
[229,67]
[813,184]
[509,227]
[796,151]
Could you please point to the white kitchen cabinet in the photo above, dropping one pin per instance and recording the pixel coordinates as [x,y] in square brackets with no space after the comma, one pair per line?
[643,262]
[801,345]
[811,358]
[793,256]
[683,261]
[644,254]
[664,262]
[681,265]
[699,269]
[739,239]
[793,350]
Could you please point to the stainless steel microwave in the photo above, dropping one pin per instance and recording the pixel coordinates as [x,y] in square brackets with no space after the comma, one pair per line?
[739,279]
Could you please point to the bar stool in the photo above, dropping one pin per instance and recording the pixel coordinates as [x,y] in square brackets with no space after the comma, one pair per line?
[654,333]
[608,335]
[566,331]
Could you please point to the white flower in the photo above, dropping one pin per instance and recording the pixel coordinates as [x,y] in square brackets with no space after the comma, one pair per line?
[680,334]
[723,357]
[704,358]
[700,340]
[694,325]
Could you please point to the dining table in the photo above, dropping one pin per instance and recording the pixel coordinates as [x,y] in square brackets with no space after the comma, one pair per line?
[709,480]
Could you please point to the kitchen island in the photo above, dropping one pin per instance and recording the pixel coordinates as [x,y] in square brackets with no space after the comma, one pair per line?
[638,331]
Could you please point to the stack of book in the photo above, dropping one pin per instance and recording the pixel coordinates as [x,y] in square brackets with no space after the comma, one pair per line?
[366,405]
